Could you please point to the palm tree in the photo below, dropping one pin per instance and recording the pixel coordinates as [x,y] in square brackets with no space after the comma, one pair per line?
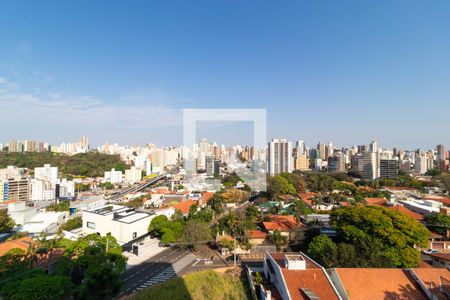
[297,210]
[278,239]
[317,201]
[231,222]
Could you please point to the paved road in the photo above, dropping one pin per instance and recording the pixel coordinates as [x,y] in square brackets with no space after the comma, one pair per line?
[157,269]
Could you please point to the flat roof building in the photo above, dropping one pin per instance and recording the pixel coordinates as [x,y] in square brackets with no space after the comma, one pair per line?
[123,223]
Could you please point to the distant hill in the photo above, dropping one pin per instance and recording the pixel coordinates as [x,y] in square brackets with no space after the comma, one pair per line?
[90,164]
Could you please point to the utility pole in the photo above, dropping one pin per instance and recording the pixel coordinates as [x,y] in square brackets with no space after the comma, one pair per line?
[234,252]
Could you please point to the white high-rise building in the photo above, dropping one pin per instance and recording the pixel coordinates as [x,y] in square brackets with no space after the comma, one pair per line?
[373,147]
[280,156]
[114,176]
[84,143]
[300,145]
[42,190]
[133,175]
[47,173]
[423,162]
[66,188]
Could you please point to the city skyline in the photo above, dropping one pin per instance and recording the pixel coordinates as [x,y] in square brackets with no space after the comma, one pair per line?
[323,71]
[307,145]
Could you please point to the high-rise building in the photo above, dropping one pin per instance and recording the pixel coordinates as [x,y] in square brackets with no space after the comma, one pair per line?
[336,163]
[389,168]
[11,172]
[212,166]
[440,152]
[47,173]
[42,190]
[113,176]
[441,158]
[368,165]
[4,190]
[422,162]
[19,189]
[133,175]
[300,146]
[301,161]
[373,147]
[280,156]
[362,148]
[12,146]
[84,142]
[321,147]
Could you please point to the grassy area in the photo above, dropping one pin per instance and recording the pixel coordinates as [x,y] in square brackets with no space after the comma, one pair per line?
[205,285]
[86,164]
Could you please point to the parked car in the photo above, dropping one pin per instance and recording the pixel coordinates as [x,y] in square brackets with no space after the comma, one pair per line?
[430,251]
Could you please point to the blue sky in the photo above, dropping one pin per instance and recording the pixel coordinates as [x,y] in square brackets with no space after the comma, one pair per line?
[121,71]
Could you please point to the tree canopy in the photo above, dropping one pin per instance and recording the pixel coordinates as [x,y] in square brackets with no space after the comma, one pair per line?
[90,164]
[381,237]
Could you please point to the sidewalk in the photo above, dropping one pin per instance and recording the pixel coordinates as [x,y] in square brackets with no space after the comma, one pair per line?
[149,249]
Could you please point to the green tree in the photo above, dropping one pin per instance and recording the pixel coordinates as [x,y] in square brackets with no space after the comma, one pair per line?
[61,206]
[72,224]
[43,287]
[158,223]
[195,233]
[278,239]
[216,202]
[279,185]
[229,223]
[394,233]
[438,222]
[252,213]
[296,180]
[324,250]
[226,243]
[6,222]
[258,279]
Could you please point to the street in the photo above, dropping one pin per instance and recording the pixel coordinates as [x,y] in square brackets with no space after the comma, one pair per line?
[156,269]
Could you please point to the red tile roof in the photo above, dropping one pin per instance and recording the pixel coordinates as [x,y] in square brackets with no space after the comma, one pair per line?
[372,283]
[376,201]
[184,206]
[432,278]
[443,200]
[442,256]
[281,223]
[256,234]
[22,243]
[313,278]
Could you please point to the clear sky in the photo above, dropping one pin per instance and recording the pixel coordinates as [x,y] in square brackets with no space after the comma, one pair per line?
[120,71]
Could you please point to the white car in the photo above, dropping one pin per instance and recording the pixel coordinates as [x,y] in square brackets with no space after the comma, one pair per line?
[430,251]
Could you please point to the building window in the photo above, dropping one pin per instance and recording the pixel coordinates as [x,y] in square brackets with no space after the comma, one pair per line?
[134,235]
[91,225]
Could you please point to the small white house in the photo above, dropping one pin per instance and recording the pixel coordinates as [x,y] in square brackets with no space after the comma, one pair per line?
[123,223]
[47,222]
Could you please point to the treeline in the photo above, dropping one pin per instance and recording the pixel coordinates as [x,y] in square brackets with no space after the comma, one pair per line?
[90,164]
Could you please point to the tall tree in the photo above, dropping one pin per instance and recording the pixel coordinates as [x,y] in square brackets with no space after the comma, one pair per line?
[6,222]
[278,239]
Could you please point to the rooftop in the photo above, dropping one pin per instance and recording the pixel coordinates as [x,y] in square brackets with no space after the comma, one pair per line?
[281,223]
[22,243]
[379,283]
[302,284]
[442,256]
